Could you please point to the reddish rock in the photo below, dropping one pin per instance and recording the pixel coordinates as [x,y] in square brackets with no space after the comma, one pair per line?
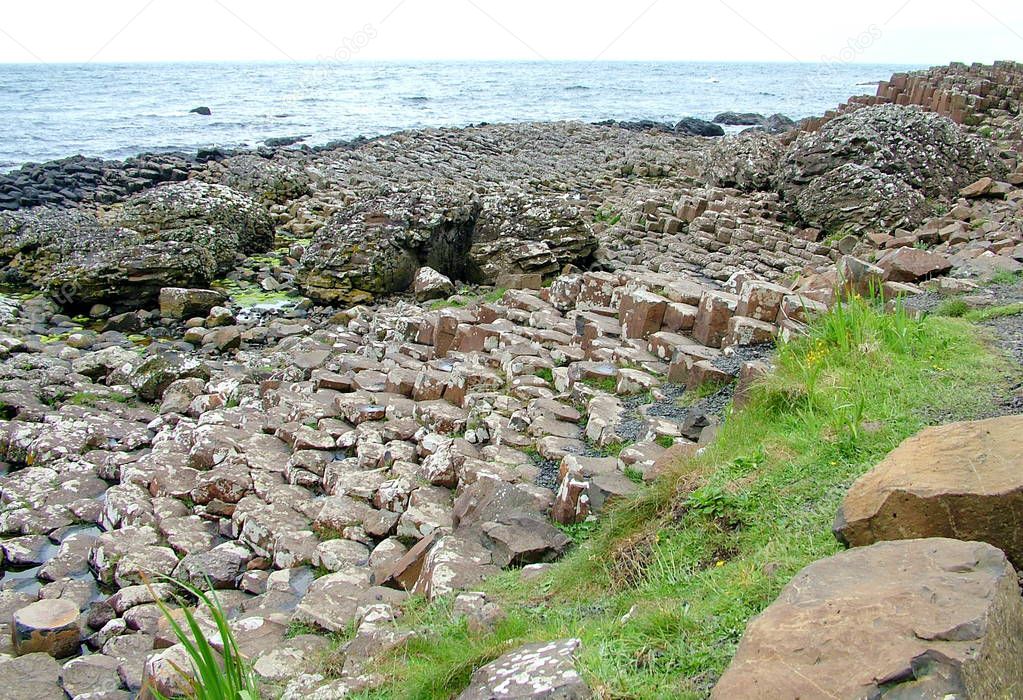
[913,264]
[712,318]
[641,313]
[958,480]
[761,300]
[930,618]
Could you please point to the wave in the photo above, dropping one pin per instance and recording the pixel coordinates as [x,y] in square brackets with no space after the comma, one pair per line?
[578,87]
[415,98]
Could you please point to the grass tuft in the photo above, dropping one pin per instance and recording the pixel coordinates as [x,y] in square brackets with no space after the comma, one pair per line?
[224,675]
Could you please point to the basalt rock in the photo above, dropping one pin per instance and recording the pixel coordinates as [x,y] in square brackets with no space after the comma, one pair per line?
[747,161]
[889,144]
[691,126]
[930,618]
[181,233]
[377,247]
[859,197]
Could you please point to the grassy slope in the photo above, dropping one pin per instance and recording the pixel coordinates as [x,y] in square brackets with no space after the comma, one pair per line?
[661,590]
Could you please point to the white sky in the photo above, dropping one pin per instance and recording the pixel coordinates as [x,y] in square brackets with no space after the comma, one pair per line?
[893,31]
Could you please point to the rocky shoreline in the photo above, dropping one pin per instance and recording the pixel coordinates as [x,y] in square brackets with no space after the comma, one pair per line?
[329,378]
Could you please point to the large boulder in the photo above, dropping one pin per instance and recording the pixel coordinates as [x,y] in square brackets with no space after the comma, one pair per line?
[221,220]
[522,233]
[376,246]
[927,152]
[930,618]
[746,161]
[691,126]
[184,233]
[857,197]
[960,480]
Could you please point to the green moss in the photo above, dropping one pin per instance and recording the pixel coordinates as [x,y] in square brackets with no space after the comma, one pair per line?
[606,384]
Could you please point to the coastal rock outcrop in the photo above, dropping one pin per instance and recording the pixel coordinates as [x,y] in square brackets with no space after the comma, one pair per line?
[923,151]
[746,161]
[177,233]
[376,247]
[918,618]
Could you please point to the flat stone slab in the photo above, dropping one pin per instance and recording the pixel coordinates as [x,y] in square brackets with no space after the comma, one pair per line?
[927,618]
[961,480]
[545,670]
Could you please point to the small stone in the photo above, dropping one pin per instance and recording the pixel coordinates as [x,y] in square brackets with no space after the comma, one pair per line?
[49,626]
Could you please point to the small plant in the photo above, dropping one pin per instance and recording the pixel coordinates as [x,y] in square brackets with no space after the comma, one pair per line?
[634,475]
[665,441]
[985,131]
[1006,277]
[297,628]
[953,308]
[546,374]
[494,296]
[607,216]
[230,677]
[579,532]
[607,384]
[711,501]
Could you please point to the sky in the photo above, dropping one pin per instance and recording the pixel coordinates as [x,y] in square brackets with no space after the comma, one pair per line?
[865,31]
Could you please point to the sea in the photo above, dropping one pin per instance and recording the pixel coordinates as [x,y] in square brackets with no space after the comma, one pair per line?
[50,111]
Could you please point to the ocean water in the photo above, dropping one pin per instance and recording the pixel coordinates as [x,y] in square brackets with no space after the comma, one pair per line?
[52,111]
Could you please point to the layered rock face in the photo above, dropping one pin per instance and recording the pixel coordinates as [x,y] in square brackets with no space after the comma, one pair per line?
[918,618]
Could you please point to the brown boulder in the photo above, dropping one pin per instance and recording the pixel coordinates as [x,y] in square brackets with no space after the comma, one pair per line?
[913,264]
[960,480]
[931,618]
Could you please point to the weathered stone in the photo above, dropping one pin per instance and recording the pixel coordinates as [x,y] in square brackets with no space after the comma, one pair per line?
[712,318]
[931,618]
[534,671]
[957,480]
[49,626]
[179,303]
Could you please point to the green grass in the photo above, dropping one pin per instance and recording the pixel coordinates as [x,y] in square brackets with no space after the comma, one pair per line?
[696,554]
[546,374]
[1006,277]
[992,312]
[953,308]
[606,384]
[214,675]
[88,398]
[665,441]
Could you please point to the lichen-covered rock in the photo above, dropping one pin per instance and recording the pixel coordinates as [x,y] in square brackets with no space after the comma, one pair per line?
[896,149]
[221,220]
[267,180]
[376,246]
[746,161]
[543,670]
[857,197]
[520,233]
[178,234]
